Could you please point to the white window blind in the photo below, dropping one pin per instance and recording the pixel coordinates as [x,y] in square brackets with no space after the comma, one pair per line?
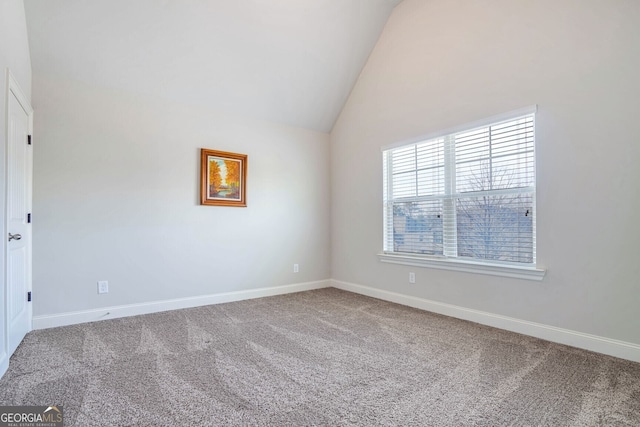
[468,194]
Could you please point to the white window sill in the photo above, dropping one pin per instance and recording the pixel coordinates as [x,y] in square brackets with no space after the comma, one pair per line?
[528,273]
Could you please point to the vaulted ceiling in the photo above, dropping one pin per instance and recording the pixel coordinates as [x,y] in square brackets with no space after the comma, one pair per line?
[287,61]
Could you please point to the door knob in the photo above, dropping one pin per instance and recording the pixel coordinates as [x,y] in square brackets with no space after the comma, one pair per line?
[14,237]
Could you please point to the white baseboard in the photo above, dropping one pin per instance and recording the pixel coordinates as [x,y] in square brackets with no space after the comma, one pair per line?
[84,316]
[621,349]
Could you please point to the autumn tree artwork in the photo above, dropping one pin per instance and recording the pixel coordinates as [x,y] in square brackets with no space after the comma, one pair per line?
[223,177]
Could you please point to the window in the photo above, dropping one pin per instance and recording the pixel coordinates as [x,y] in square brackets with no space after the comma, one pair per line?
[465,195]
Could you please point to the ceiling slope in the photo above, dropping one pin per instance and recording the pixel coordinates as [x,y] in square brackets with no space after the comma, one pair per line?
[287,61]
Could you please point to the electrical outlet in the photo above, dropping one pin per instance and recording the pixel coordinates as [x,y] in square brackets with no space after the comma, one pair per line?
[412,277]
[103,287]
[295,268]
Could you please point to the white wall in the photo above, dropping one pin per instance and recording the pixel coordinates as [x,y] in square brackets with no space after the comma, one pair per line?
[442,63]
[14,46]
[14,55]
[116,197]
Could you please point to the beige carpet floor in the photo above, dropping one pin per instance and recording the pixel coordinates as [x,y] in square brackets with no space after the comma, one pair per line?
[326,358]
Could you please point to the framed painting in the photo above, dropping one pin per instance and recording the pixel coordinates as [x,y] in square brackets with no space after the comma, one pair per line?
[223,178]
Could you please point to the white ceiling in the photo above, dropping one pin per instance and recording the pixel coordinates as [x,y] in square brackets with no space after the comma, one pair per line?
[288,61]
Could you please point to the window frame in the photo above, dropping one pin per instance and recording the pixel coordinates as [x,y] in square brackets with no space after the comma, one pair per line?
[531,271]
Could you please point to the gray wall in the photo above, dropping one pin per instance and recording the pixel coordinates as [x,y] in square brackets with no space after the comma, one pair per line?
[116,197]
[14,55]
[443,63]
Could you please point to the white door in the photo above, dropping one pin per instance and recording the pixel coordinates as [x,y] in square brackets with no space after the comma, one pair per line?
[18,280]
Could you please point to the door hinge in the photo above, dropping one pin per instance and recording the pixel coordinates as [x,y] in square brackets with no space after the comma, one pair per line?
[29,139]
[28,218]
[29,296]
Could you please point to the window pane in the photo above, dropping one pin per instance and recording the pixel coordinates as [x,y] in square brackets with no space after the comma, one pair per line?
[430,154]
[472,145]
[430,167]
[473,176]
[431,181]
[497,228]
[512,154]
[404,185]
[513,171]
[473,168]
[417,227]
[403,159]
[498,157]
[512,137]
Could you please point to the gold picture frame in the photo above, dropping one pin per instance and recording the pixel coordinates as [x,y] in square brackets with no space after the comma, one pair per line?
[223,178]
